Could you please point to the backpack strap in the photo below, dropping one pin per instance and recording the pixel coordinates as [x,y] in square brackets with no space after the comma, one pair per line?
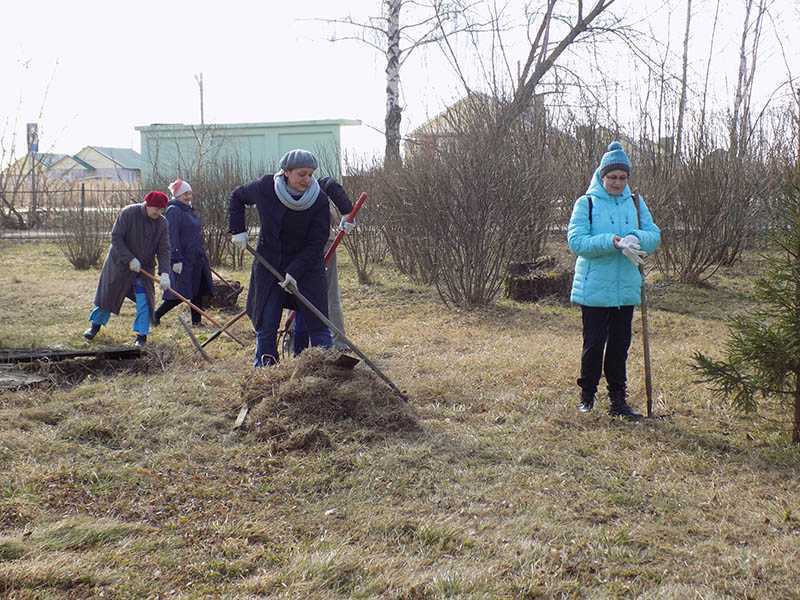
[589,198]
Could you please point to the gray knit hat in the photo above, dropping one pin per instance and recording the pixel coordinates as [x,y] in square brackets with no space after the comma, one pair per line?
[298,159]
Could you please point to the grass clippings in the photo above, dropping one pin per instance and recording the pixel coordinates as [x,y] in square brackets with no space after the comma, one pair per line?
[306,402]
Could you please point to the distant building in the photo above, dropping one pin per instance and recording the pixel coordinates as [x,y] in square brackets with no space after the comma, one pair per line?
[19,172]
[431,135]
[100,164]
[175,149]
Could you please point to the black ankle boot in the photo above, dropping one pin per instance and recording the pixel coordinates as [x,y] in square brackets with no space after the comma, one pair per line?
[91,332]
[587,402]
[619,407]
[141,340]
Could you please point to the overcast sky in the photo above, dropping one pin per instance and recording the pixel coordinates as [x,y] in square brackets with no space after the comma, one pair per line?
[89,72]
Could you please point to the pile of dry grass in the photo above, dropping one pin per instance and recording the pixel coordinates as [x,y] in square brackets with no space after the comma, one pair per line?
[307,402]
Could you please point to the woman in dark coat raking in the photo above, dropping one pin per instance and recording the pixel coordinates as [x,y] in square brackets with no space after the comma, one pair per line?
[140,234]
[295,221]
[340,208]
[191,273]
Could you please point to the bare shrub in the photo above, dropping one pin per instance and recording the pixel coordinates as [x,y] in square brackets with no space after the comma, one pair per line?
[366,244]
[85,235]
[469,202]
[706,207]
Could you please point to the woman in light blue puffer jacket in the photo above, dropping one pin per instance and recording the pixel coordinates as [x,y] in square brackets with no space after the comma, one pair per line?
[610,239]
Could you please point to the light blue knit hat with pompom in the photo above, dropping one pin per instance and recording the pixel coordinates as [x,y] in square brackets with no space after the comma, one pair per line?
[615,160]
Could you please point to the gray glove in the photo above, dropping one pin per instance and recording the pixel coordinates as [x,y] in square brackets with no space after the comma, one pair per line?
[164,281]
[178,268]
[240,240]
[289,283]
[345,225]
[134,265]
[634,255]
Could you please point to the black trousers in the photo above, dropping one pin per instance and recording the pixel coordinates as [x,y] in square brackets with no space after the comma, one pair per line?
[606,340]
[168,305]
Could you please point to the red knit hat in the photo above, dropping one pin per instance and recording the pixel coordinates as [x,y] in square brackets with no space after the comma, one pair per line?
[156,199]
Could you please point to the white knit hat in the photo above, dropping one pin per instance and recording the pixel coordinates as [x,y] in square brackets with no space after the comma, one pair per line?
[178,187]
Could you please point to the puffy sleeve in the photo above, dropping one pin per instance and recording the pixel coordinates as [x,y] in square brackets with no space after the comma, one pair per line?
[579,233]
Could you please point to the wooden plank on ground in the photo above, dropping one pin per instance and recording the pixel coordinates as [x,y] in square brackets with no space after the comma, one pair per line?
[58,354]
[14,379]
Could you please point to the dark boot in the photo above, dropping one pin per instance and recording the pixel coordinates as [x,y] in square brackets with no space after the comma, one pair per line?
[587,402]
[91,332]
[619,407]
[141,340]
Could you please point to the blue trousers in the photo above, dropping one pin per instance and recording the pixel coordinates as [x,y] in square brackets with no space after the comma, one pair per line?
[141,324]
[266,336]
[303,338]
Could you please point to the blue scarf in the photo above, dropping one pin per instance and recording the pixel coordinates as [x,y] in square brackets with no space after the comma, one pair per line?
[305,201]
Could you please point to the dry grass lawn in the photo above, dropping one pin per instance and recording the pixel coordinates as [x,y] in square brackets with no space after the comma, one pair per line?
[132,484]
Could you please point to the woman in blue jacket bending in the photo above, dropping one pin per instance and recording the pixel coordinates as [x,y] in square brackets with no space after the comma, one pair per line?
[610,236]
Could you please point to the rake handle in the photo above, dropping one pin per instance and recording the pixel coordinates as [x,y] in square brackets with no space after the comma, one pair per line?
[224,329]
[307,303]
[193,306]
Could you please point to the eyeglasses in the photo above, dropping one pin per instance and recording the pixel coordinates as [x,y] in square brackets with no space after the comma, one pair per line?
[617,177]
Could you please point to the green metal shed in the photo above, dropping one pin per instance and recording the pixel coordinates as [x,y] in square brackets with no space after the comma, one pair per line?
[174,148]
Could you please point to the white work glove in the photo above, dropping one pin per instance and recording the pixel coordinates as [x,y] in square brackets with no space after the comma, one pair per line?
[134,265]
[629,241]
[178,268]
[634,255]
[164,281]
[631,249]
[240,240]
[289,283]
[345,225]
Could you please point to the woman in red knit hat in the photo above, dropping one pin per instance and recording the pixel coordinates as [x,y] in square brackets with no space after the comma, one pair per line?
[139,236]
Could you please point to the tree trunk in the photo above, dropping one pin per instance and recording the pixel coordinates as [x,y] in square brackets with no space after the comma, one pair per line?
[705,83]
[393,111]
[682,103]
[744,124]
[540,60]
[740,83]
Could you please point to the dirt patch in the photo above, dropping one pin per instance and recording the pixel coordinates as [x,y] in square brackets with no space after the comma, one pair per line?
[308,402]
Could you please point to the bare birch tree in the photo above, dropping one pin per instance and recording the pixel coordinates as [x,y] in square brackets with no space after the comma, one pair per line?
[740,117]
[684,83]
[707,77]
[429,22]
